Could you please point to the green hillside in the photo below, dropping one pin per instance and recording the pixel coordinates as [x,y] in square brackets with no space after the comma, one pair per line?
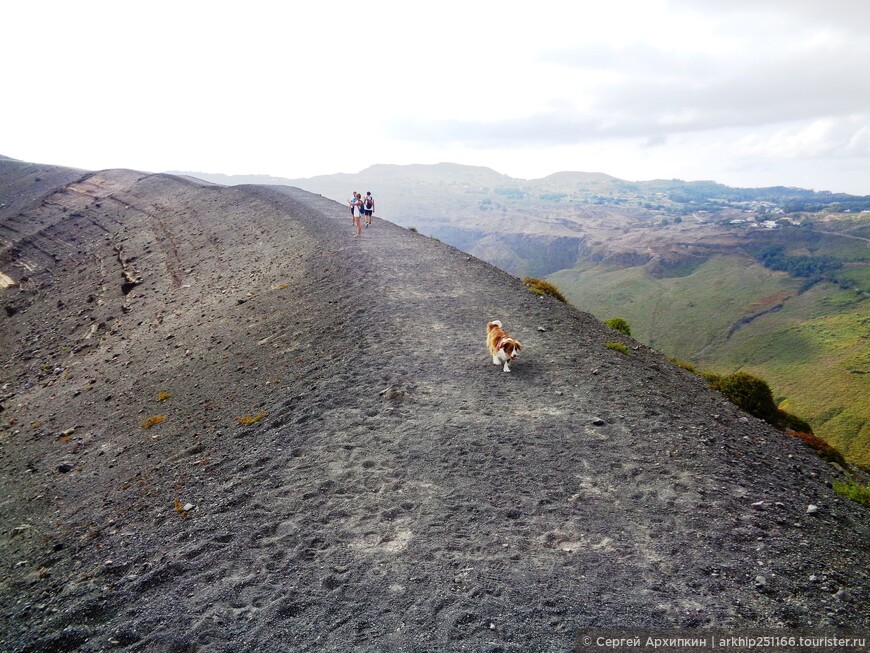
[731,313]
[680,315]
[815,353]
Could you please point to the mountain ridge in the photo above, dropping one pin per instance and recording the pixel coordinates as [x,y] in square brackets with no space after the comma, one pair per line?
[466,172]
[339,464]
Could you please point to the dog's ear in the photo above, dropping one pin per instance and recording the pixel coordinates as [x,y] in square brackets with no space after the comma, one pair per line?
[519,345]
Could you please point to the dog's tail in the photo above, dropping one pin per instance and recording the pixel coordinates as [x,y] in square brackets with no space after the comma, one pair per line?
[494,323]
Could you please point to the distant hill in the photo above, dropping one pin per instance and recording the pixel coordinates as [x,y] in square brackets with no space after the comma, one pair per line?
[728,278]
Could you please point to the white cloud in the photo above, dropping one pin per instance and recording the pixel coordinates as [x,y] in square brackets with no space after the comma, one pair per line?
[827,137]
[635,88]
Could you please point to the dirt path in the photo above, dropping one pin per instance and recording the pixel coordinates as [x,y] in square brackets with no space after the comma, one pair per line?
[397,491]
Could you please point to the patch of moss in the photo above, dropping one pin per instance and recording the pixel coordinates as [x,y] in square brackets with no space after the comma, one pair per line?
[543,287]
[854,491]
[684,365]
[247,420]
[617,346]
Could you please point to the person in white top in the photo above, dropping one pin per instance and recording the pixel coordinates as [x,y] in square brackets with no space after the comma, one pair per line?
[356,207]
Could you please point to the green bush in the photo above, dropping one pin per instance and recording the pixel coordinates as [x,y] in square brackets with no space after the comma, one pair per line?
[748,392]
[619,324]
[542,287]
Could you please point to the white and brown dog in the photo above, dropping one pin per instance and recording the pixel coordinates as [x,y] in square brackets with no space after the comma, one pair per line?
[503,348]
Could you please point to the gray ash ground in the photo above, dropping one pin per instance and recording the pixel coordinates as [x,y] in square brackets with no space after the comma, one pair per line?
[398,491]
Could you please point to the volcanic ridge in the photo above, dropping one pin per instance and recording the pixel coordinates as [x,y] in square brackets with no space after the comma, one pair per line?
[229,425]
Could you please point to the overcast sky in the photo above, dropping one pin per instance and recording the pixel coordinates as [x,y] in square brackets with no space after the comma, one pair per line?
[745,92]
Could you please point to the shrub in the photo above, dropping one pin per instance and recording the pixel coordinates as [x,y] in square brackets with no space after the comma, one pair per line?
[753,395]
[542,287]
[617,346]
[713,380]
[154,420]
[163,396]
[619,324]
[854,491]
[746,391]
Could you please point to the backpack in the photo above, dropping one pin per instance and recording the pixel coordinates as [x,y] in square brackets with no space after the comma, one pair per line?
[369,202]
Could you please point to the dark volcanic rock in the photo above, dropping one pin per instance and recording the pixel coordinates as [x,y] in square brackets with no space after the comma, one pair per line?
[364,478]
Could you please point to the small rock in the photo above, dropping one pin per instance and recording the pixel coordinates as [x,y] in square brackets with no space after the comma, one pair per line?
[758,504]
[812,509]
[598,421]
[760,581]
[63,468]
[541,329]
[814,578]
[188,507]
[843,594]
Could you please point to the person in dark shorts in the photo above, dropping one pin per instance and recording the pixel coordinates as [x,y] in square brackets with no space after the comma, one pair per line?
[368,207]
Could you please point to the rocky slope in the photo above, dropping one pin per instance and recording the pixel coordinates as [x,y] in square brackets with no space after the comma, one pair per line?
[228,425]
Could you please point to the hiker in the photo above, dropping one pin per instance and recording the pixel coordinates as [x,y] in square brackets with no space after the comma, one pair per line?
[356,208]
[350,202]
[368,207]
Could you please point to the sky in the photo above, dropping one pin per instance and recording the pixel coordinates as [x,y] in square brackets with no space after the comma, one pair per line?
[744,92]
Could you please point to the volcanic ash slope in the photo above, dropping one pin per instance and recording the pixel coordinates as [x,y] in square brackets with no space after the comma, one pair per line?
[229,425]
